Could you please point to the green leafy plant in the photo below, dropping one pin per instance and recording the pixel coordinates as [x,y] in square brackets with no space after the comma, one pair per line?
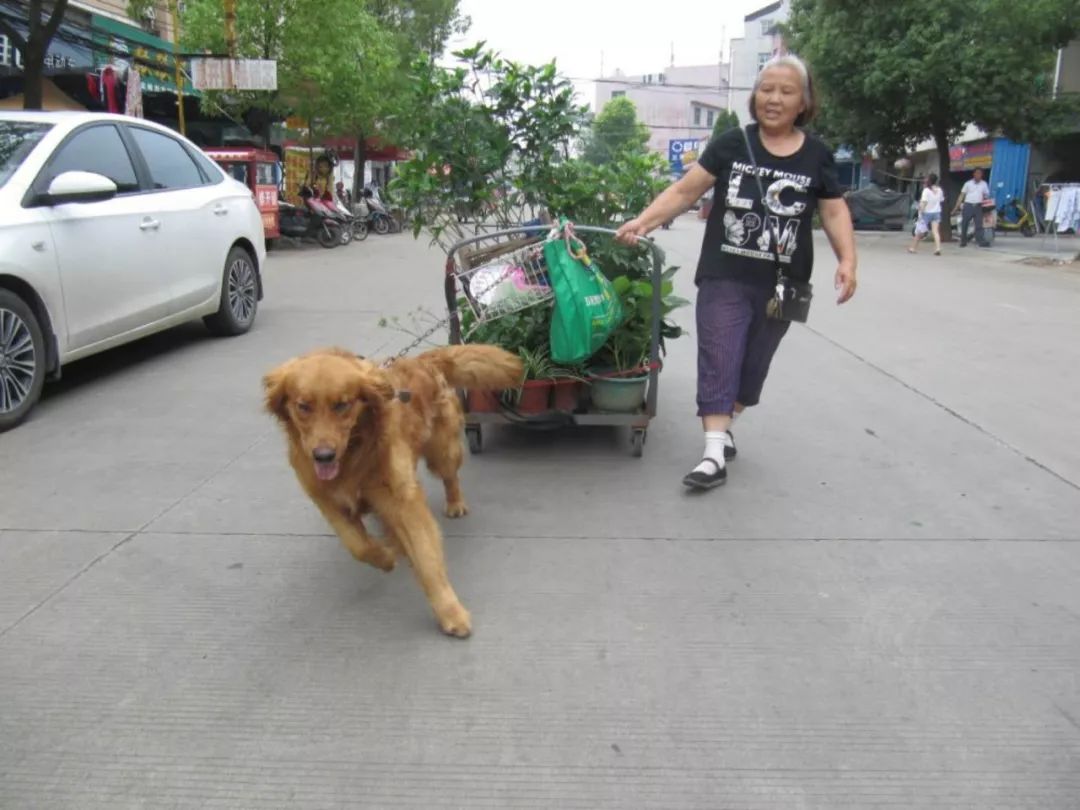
[628,347]
[484,138]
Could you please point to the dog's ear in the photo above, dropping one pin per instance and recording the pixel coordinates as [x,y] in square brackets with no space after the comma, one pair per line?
[274,390]
[374,387]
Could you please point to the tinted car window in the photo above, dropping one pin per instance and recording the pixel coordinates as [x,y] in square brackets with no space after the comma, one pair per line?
[100,150]
[209,168]
[17,140]
[170,164]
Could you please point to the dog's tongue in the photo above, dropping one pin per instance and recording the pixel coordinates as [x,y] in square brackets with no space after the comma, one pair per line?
[326,470]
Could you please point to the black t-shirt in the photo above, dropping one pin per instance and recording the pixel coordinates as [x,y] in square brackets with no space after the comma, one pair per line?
[738,240]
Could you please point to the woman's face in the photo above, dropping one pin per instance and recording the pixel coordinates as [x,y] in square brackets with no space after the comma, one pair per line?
[779,97]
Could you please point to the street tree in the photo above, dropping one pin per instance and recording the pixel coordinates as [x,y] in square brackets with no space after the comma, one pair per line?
[42,24]
[925,69]
[615,131]
[725,120]
[333,60]
[419,29]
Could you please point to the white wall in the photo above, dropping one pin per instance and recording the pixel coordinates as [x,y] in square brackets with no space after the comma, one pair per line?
[667,105]
[747,53]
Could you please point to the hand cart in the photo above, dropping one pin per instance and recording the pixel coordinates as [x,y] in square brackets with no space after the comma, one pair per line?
[482,269]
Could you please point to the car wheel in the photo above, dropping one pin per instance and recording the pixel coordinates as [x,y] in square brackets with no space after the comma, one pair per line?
[239,296]
[22,360]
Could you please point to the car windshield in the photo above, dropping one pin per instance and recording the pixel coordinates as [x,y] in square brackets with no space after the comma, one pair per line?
[17,140]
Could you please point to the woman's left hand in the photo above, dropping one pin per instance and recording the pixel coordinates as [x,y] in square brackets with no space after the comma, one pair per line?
[845,281]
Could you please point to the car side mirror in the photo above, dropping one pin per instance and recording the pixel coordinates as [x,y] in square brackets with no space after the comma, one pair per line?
[78,187]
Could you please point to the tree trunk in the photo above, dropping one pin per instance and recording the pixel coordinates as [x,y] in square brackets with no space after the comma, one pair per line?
[34,49]
[33,73]
[359,162]
[941,140]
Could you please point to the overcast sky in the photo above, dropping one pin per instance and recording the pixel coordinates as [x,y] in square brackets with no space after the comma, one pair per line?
[576,32]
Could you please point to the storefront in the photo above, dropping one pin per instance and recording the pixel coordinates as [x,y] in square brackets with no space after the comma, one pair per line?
[1004,163]
[89,60]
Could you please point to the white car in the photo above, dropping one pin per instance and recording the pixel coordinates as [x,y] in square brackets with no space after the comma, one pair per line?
[112,228]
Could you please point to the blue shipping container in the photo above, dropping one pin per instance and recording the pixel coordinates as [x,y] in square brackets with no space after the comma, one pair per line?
[1009,170]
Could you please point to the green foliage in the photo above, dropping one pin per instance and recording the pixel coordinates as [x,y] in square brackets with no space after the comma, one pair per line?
[725,120]
[615,132]
[332,65]
[492,139]
[928,68]
[628,347]
[419,26]
[486,137]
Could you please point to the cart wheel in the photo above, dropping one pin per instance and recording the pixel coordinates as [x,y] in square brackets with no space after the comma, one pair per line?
[476,440]
[637,442]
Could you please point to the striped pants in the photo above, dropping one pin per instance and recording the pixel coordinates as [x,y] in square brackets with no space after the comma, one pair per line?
[736,344]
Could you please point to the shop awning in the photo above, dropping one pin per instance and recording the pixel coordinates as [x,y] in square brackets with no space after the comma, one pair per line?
[151,55]
[69,50]
[52,98]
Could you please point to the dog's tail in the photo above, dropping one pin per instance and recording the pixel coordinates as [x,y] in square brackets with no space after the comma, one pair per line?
[477,366]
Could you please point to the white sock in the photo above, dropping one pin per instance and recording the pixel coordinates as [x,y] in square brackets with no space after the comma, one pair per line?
[715,442]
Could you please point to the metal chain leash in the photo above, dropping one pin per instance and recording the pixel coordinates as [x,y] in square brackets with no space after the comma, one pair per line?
[421,339]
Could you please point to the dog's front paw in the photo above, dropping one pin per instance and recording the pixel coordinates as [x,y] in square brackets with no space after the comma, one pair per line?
[457,509]
[383,558]
[455,621]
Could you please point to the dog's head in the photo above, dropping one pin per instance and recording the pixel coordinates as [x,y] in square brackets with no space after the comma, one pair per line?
[323,399]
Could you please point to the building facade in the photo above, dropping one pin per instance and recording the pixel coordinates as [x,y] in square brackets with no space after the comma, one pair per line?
[679,105]
[760,42]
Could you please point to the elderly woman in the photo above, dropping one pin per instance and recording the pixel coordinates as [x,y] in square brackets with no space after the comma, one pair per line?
[746,235]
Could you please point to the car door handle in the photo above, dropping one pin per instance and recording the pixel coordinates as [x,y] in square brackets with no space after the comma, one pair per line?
[220,210]
[149,224]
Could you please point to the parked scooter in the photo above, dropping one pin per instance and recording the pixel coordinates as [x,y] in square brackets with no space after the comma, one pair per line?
[1013,216]
[307,222]
[371,210]
[355,225]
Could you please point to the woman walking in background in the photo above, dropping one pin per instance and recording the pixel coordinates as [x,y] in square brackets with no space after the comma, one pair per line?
[747,234]
[929,214]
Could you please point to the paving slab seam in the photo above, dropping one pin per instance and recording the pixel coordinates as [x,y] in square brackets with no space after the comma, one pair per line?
[942,406]
[66,583]
[129,537]
[656,538]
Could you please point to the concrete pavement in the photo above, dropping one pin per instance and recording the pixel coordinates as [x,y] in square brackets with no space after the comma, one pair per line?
[880,610]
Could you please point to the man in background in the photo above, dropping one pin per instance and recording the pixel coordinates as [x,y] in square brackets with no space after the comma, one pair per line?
[971,196]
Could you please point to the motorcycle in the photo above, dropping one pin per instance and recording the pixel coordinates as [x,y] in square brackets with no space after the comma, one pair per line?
[374,213]
[1013,216]
[356,227]
[308,222]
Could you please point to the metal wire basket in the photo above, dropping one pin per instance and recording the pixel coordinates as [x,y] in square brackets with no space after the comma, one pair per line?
[504,280]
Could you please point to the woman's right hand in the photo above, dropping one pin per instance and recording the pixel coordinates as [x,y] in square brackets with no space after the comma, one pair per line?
[631,231]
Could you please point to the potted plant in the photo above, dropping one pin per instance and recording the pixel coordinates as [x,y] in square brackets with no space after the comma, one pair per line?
[546,386]
[620,370]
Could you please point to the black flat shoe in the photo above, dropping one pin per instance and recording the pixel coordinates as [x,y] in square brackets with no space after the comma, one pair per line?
[702,481]
[729,449]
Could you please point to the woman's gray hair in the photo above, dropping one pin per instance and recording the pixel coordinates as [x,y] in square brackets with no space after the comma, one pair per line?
[799,66]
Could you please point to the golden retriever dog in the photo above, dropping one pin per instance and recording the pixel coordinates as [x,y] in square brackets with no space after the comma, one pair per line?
[356,431]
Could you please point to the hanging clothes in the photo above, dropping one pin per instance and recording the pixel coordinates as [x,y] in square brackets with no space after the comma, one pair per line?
[133,103]
[1063,207]
[108,89]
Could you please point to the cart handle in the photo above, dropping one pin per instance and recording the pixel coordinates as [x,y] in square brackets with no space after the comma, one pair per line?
[658,253]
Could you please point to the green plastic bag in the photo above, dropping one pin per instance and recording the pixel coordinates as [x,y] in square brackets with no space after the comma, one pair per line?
[587,310]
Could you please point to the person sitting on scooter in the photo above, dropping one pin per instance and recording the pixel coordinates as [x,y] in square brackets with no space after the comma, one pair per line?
[323,184]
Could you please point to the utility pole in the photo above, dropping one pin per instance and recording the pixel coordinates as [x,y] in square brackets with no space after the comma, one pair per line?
[174,9]
[230,36]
